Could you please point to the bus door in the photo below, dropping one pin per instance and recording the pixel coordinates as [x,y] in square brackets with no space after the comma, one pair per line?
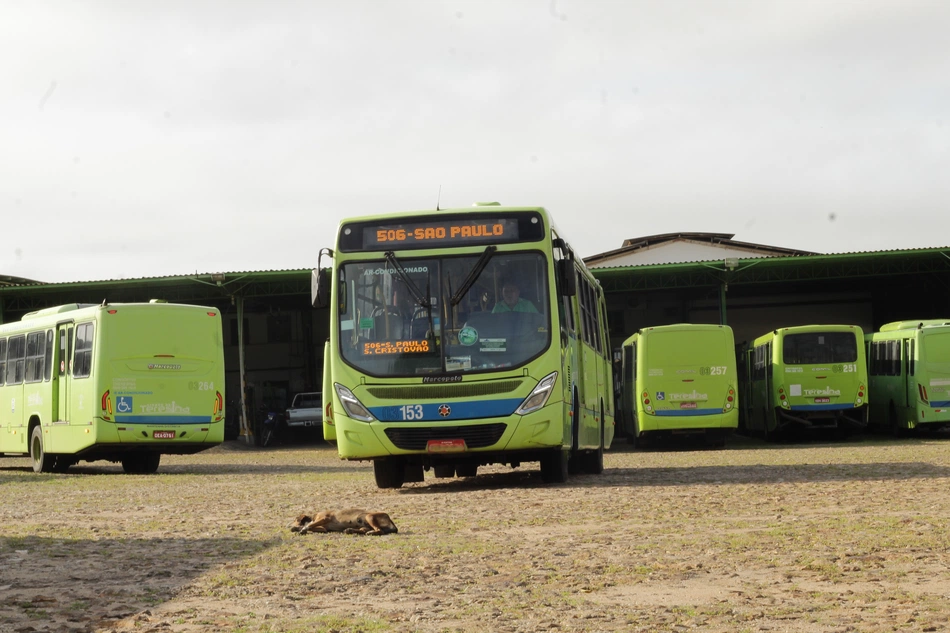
[910,383]
[569,363]
[63,370]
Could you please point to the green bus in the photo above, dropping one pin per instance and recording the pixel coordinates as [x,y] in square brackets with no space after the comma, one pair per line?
[909,375]
[461,338]
[122,382]
[808,377]
[679,379]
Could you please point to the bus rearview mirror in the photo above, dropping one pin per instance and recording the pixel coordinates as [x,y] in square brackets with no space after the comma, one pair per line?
[320,287]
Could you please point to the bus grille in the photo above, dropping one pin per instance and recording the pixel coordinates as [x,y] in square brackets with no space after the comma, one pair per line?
[477,436]
[414,393]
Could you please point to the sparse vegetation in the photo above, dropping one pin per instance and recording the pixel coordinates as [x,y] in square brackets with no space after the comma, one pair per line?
[798,537]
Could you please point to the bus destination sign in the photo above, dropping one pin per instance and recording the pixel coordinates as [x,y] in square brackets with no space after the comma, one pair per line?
[439,233]
[395,347]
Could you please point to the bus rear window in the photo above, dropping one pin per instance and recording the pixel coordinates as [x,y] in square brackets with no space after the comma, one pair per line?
[673,349]
[936,346]
[812,348]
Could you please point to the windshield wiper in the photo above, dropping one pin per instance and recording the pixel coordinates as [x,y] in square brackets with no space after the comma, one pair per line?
[413,289]
[473,275]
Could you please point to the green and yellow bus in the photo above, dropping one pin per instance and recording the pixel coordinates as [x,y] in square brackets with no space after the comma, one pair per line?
[809,377]
[461,338]
[123,382]
[909,375]
[679,379]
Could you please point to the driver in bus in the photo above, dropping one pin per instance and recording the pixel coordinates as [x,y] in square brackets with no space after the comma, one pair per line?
[511,299]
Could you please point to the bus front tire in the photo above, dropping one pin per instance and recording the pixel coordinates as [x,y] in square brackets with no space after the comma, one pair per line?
[141,463]
[61,464]
[43,462]
[389,473]
[554,466]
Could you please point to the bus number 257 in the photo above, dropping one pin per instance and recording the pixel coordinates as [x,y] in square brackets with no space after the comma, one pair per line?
[715,370]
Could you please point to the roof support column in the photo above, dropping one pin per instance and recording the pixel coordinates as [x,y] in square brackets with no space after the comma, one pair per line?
[246,432]
[722,302]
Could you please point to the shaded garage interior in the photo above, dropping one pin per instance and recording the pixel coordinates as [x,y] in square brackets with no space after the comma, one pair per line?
[274,338]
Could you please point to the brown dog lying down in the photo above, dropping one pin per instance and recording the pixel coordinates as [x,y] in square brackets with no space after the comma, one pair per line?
[349,521]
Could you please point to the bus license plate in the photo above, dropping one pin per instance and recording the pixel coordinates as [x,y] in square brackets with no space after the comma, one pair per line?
[445,446]
[822,400]
[163,435]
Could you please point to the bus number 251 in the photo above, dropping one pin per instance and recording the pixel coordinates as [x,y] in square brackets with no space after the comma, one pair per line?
[847,368]
[715,370]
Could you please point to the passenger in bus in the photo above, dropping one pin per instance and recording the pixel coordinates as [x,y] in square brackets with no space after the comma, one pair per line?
[511,299]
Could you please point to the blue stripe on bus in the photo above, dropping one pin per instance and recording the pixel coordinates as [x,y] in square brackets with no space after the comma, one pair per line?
[456,411]
[821,407]
[156,419]
[940,403]
[672,412]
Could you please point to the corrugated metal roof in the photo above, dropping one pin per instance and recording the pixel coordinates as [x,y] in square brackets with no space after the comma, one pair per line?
[202,277]
[633,245]
[779,258]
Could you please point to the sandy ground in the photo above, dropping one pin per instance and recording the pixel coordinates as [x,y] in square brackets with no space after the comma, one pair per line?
[838,536]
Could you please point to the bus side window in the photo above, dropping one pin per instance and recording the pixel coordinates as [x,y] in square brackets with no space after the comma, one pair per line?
[65,352]
[16,350]
[3,360]
[82,367]
[910,357]
[49,355]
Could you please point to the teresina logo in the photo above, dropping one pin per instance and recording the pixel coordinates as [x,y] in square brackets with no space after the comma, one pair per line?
[827,391]
[689,396]
[163,366]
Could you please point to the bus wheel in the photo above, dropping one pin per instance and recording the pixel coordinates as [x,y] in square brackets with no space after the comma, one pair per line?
[42,461]
[595,459]
[389,473]
[896,428]
[466,470]
[141,463]
[61,464]
[576,461]
[554,466]
[150,463]
[635,440]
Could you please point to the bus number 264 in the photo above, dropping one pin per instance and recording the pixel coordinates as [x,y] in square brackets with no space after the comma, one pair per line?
[196,385]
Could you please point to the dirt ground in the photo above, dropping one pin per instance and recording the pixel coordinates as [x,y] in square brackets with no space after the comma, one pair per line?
[836,536]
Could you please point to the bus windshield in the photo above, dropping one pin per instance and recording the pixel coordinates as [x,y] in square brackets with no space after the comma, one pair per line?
[812,348]
[449,314]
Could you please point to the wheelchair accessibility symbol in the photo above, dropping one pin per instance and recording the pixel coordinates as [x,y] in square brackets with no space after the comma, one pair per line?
[123,404]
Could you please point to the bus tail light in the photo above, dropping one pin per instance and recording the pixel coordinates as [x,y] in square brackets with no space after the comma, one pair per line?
[539,395]
[218,403]
[353,407]
[106,403]
[923,393]
[730,400]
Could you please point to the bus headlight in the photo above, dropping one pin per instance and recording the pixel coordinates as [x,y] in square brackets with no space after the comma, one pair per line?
[539,395]
[353,407]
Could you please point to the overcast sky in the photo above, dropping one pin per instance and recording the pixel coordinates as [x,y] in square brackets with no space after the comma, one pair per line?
[164,138]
